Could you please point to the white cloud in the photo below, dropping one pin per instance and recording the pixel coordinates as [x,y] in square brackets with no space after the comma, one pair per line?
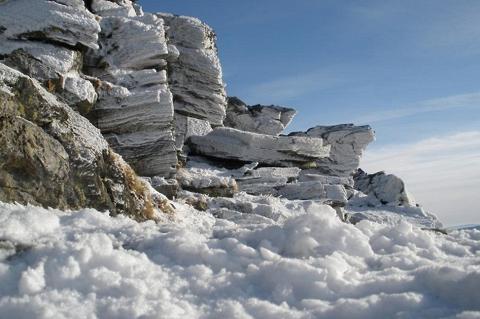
[443,173]
[466,100]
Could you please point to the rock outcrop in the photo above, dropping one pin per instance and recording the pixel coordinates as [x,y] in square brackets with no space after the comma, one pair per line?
[52,156]
[388,189]
[271,120]
[347,143]
[135,105]
[151,85]
[231,144]
[195,74]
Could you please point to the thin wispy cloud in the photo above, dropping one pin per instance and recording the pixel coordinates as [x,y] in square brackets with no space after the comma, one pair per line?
[469,100]
[293,86]
[442,172]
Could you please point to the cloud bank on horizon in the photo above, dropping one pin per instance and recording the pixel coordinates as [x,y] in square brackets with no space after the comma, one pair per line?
[442,172]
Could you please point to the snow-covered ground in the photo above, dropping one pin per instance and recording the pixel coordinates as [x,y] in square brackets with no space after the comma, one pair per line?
[285,259]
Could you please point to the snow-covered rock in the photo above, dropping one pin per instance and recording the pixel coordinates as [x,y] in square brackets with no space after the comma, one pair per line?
[388,189]
[195,74]
[231,144]
[44,20]
[347,143]
[204,182]
[135,105]
[271,120]
[186,126]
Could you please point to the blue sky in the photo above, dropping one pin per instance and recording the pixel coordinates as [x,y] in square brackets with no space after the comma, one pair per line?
[408,68]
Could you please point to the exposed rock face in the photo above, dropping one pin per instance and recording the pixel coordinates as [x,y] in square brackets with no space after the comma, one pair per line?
[52,156]
[195,76]
[388,189]
[49,20]
[232,144]
[135,106]
[45,42]
[186,126]
[347,145]
[271,120]
[215,186]
[266,180]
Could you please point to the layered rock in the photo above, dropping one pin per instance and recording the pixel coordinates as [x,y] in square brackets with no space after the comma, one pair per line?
[231,144]
[387,189]
[135,106]
[195,76]
[186,126]
[46,43]
[347,143]
[271,120]
[65,22]
[52,156]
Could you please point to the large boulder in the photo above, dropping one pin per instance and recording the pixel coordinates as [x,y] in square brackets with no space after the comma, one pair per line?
[263,119]
[195,75]
[54,157]
[231,144]
[347,143]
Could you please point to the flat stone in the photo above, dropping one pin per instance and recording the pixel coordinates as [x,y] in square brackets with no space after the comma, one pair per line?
[43,20]
[232,144]
[347,145]
[271,120]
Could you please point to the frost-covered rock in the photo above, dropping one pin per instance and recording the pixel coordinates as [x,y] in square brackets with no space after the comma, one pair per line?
[135,105]
[314,190]
[231,144]
[271,120]
[204,182]
[265,180]
[48,21]
[186,126]
[388,189]
[347,144]
[52,156]
[195,74]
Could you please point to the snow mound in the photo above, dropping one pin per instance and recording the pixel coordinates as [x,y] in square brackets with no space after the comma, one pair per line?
[307,264]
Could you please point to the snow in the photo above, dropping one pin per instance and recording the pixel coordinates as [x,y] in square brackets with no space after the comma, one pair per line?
[306,264]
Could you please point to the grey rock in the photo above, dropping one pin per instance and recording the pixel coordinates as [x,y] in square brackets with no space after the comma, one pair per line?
[388,189]
[195,74]
[55,157]
[168,187]
[57,68]
[186,126]
[232,144]
[135,105]
[347,145]
[266,180]
[209,184]
[271,120]
[48,21]
[313,190]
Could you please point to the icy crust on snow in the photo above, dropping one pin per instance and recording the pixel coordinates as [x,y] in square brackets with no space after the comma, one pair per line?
[307,264]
